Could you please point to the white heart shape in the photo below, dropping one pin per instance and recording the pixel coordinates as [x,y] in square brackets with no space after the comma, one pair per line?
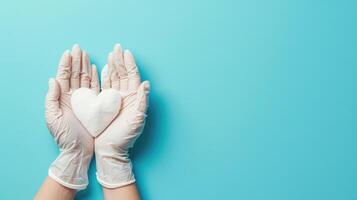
[94,111]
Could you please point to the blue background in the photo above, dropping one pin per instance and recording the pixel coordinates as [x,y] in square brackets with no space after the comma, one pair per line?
[250,99]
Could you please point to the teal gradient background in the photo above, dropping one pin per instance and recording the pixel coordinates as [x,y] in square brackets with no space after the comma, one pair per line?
[250,100]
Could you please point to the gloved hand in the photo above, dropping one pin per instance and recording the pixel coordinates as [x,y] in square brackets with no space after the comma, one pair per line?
[75,143]
[114,168]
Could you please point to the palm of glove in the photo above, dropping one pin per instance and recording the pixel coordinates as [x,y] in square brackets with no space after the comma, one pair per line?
[66,129]
[127,126]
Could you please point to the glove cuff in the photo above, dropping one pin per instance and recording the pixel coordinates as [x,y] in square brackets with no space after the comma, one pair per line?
[66,184]
[114,185]
[116,175]
[70,170]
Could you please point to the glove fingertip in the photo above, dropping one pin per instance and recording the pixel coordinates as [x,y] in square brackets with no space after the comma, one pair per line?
[146,85]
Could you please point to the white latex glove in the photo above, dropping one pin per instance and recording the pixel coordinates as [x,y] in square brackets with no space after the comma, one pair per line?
[114,168]
[75,143]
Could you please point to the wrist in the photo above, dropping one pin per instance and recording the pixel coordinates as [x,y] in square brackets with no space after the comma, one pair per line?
[51,189]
